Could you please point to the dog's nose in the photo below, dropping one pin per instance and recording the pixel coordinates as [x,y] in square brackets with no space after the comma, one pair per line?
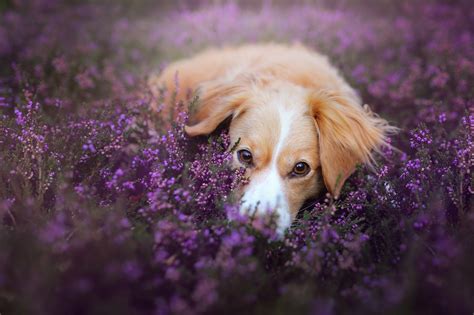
[254,203]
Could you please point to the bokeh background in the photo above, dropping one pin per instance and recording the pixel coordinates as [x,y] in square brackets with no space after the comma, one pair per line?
[108,208]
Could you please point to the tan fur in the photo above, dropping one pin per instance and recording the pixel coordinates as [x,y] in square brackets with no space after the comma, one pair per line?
[347,135]
[259,130]
[253,84]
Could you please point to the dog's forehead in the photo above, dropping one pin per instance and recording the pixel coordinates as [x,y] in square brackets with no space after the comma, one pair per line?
[274,124]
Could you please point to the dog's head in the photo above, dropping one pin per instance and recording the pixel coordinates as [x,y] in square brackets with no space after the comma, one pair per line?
[290,139]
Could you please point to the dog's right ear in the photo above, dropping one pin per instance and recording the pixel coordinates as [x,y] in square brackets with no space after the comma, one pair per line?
[217,101]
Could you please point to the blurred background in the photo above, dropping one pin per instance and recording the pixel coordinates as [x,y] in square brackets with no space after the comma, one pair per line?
[104,210]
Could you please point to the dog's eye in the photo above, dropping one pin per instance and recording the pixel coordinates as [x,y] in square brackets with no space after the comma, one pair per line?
[245,156]
[300,169]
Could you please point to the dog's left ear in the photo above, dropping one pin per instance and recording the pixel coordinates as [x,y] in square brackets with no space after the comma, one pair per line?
[217,101]
[348,134]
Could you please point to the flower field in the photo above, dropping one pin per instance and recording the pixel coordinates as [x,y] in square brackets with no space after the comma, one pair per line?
[109,208]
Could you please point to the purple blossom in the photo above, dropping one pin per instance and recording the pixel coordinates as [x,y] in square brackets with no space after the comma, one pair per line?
[109,207]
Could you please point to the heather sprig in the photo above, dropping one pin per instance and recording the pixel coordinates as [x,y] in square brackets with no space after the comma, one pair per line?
[109,207]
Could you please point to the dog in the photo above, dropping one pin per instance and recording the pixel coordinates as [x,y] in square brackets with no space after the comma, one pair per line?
[298,126]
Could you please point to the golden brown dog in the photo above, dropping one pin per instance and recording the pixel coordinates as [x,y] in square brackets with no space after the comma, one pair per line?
[299,124]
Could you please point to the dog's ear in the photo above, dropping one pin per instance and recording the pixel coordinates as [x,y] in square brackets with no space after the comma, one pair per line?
[217,101]
[348,134]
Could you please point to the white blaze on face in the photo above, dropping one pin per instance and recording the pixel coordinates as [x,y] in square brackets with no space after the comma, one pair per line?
[264,194]
[266,191]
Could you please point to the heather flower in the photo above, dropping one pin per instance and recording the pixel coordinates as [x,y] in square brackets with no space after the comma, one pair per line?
[60,65]
[109,207]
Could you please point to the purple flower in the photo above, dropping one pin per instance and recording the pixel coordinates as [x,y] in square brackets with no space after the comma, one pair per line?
[109,207]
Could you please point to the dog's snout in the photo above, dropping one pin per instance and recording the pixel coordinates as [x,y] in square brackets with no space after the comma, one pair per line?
[267,198]
[255,205]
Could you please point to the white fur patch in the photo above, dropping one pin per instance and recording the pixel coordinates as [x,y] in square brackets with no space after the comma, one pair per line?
[265,191]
